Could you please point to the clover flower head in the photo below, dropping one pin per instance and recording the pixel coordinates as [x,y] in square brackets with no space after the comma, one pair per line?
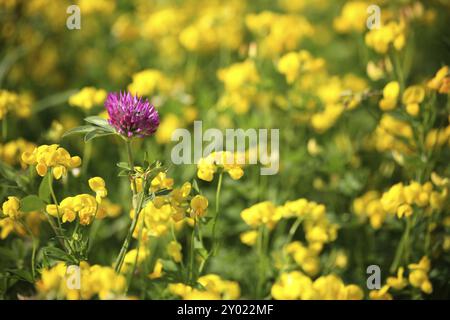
[131,116]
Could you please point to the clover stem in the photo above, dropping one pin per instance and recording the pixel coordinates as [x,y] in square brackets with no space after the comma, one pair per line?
[137,209]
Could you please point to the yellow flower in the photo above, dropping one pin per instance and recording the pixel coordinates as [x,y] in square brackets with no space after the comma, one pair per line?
[161,181]
[261,213]
[418,275]
[11,207]
[174,251]
[353,17]
[306,257]
[249,237]
[412,97]
[404,210]
[97,185]
[381,294]
[292,63]
[229,162]
[441,81]
[157,270]
[213,286]
[199,204]
[83,206]
[95,281]
[390,34]
[292,286]
[438,180]
[390,96]
[168,125]
[51,156]
[206,169]
[147,82]
[134,256]
[398,282]
[87,98]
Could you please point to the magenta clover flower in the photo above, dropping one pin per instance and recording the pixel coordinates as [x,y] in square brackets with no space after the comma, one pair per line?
[131,116]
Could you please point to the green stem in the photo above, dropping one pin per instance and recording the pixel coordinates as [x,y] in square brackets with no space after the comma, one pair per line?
[400,252]
[65,243]
[4,129]
[216,217]
[33,253]
[261,258]
[87,157]
[137,209]
[192,254]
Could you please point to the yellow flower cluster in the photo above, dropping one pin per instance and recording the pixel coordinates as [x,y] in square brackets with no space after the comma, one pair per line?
[97,185]
[174,251]
[418,275]
[9,225]
[418,278]
[381,39]
[11,208]
[83,206]
[229,162]
[10,152]
[214,27]
[390,95]
[95,282]
[369,206]
[353,17]
[336,95]
[263,213]
[51,156]
[214,287]
[134,257]
[148,81]
[12,219]
[318,229]
[108,209]
[412,97]
[168,125]
[292,64]
[20,104]
[158,215]
[278,33]
[87,98]
[307,258]
[441,81]
[401,199]
[240,81]
[297,286]
[391,134]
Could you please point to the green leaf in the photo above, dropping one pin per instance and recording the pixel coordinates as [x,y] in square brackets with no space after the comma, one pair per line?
[22,275]
[195,186]
[57,254]
[124,165]
[77,130]
[44,188]
[100,122]
[162,192]
[31,203]
[123,173]
[96,134]
[169,265]
[198,244]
